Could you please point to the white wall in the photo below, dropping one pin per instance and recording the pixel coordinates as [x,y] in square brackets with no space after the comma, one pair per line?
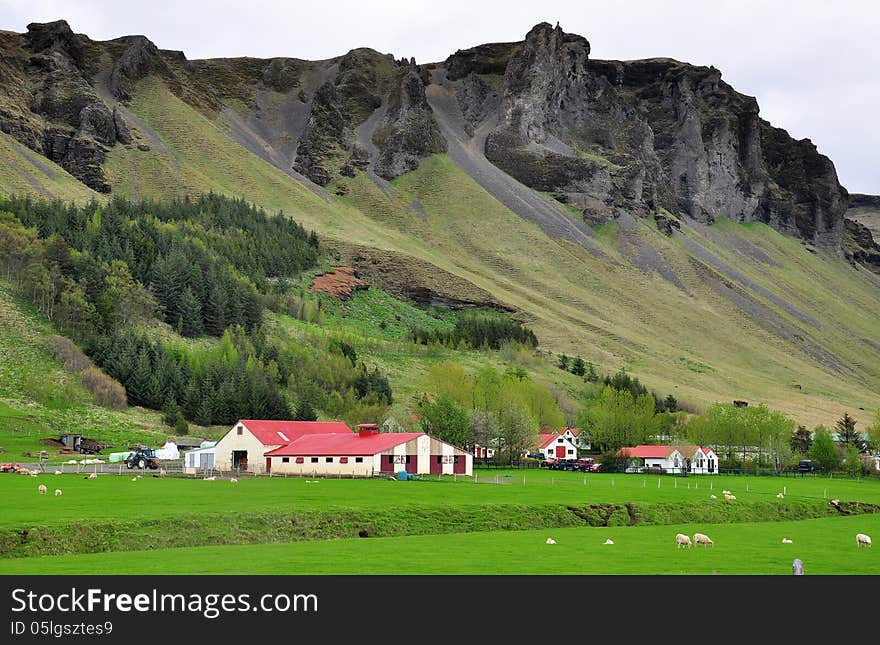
[323,468]
[245,441]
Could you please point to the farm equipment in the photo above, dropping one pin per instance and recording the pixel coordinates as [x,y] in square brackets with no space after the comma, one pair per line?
[10,467]
[142,458]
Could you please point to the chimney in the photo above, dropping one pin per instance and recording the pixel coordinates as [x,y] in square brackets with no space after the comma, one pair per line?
[368,429]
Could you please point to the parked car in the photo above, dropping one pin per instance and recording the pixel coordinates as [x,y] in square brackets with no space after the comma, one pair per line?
[584,464]
[564,464]
[805,466]
[548,463]
[595,467]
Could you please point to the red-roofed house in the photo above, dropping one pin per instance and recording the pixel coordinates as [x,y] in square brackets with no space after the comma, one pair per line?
[367,452]
[577,437]
[555,446]
[666,457]
[699,460]
[243,447]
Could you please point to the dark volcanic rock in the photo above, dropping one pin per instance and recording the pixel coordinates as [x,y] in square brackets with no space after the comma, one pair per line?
[666,224]
[54,36]
[282,74]
[323,135]
[651,134]
[123,132]
[483,59]
[408,130]
[140,58]
[860,246]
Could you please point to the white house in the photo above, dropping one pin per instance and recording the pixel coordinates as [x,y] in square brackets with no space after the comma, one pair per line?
[366,453]
[577,437]
[701,460]
[556,446]
[244,446]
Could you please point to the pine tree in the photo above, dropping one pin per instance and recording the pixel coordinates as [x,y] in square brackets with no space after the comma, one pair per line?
[138,385]
[190,314]
[563,362]
[305,411]
[670,404]
[846,432]
[578,368]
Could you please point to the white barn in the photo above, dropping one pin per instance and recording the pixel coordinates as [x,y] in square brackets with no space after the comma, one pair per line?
[367,453]
[701,460]
[667,458]
[199,459]
[244,446]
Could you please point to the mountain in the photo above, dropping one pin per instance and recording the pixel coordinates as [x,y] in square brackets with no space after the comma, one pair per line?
[638,213]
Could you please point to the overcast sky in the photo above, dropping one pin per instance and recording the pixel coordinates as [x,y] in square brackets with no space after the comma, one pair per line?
[813,65]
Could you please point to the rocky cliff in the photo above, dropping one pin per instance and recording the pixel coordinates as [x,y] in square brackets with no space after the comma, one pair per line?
[643,137]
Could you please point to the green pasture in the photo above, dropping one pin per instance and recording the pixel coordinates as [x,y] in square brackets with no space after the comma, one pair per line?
[118,497]
[826,546]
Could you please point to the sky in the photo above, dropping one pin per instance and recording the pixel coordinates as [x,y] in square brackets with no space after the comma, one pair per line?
[813,65]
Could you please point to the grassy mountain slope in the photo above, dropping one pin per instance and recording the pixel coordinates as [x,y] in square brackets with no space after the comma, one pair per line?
[23,171]
[712,313]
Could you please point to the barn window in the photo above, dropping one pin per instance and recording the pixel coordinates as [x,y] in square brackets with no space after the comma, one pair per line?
[343,460]
[439,459]
[239,430]
[329,460]
[358,460]
[570,451]
[407,459]
[314,460]
[390,459]
[559,440]
[285,460]
[300,460]
[455,459]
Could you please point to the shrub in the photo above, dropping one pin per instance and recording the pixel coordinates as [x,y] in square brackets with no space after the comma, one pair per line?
[108,392]
[68,354]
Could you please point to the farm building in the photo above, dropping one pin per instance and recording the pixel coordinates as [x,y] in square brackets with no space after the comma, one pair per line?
[243,447]
[577,437]
[366,453]
[698,460]
[199,459]
[556,446]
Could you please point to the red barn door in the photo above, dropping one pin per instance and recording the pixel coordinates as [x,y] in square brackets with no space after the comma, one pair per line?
[436,464]
[459,464]
[412,463]
[560,452]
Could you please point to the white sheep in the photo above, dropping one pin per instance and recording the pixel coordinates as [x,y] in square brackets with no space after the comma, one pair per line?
[57,472]
[725,492]
[162,472]
[57,492]
[551,541]
[682,540]
[134,479]
[780,496]
[700,538]
[786,541]
[233,481]
[92,476]
[43,490]
[608,541]
[729,496]
[861,539]
[210,479]
[713,496]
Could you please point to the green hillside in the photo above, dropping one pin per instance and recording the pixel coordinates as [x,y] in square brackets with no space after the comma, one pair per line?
[717,312]
[23,171]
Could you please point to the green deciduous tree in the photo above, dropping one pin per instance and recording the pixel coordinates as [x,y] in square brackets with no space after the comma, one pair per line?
[823,451]
[447,421]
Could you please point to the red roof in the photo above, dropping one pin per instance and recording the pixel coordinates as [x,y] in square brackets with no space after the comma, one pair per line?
[343,444]
[647,452]
[545,439]
[574,431]
[280,433]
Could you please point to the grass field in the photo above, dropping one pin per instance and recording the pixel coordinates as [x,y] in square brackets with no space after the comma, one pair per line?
[826,546]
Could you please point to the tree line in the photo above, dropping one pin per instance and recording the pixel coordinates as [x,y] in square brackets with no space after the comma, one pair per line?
[477,330]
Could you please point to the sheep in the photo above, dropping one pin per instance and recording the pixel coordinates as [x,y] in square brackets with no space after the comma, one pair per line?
[713,496]
[43,490]
[210,479]
[700,538]
[682,540]
[134,479]
[551,541]
[780,496]
[608,541]
[729,496]
[57,492]
[57,472]
[786,541]
[726,492]
[162,472]
[233,481]
[92,476]
[861,539]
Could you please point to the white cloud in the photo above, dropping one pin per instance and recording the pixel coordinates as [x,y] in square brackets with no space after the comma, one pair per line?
[813,65]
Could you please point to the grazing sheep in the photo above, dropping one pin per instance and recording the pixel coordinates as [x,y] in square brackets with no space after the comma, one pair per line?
[43,490]
[608,541]
[713,496]
[233,481]
[57,492]
[551,541]
[861,539]
[210,479]
[725,492]
[729,496]
[57,472]
[780,496]
[134,479]
[92,476]
[682,540]
[700,538]
[35,474]
[162,472]
[786,541]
